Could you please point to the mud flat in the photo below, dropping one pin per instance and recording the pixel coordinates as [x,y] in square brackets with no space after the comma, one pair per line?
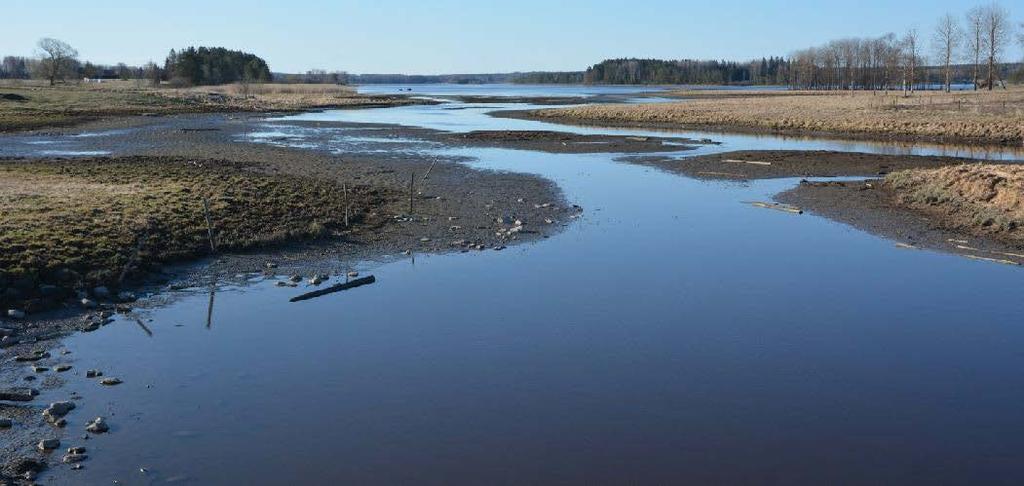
[563,142]
[766,164]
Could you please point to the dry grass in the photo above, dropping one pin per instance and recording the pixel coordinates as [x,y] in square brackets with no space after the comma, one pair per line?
[44,106]
[76,223]
[981,199]
[266,97]
[968,117]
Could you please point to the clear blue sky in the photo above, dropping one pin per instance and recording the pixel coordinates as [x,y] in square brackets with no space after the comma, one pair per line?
[459,36]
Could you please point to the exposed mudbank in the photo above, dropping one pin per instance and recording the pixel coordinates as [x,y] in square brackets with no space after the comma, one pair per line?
[563,142]
[872,206]
[766,164]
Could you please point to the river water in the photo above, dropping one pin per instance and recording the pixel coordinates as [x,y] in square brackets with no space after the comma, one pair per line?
[672,334]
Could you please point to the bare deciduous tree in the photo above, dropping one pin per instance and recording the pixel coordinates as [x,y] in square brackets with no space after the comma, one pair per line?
[975,41]
[58,58]
[911,53]
[945,42]
[995,20]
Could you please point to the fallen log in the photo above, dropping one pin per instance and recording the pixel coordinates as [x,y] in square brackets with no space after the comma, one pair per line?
[786,208]
[369,279]
[752,162]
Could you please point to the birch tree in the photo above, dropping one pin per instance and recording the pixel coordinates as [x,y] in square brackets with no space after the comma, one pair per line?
[946,41]
[975,41]
[996,22]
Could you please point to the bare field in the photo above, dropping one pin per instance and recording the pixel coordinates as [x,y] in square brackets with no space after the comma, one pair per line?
[995,118]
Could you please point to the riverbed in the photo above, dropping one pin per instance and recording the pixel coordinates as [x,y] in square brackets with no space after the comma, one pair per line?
[673,333]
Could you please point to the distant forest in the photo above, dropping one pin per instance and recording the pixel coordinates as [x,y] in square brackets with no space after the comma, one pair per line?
[771,70]
[216,65]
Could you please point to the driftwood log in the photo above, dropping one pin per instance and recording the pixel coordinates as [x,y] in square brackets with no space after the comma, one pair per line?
[335,288]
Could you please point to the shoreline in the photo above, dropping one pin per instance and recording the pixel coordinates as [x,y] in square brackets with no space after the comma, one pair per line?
[457,209]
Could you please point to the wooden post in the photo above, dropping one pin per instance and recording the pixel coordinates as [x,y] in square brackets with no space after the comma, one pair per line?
[209,225]
[344,188]
[412,179]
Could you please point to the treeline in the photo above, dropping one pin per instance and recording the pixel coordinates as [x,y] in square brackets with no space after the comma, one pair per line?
[971,50]
[770,70]
[685,71]
[214,65]
[20,67]
[549,77]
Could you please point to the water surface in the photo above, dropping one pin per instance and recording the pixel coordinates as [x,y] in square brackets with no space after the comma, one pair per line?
[671,335]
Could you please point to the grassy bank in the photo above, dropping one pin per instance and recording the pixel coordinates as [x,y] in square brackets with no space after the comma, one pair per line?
[978,199]
[995,118]
[79,224]
[31,105]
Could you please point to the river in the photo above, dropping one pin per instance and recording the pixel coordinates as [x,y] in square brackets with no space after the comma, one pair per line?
[672,334]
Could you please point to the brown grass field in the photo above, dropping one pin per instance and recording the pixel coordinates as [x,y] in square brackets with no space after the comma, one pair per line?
[28,105]
[979,199]
[85,217]
[988,118]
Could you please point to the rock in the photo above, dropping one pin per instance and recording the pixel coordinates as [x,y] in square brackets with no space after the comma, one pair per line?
[8,341]
[6,423]
[57,410]
[499,248]
[126,297]
[316,280]
[424,239]
[39,369]
[295,278]
[90,326]
[110,381]
[62,368]
[505,220]
[18,394]
[48,444]
[74,458]
[93,373]
[101,292]
[271,265]
[29,378]
[97,426]
[15,314]
[76,450]
[87,303]
[24,465]
[353,274]
[34,356]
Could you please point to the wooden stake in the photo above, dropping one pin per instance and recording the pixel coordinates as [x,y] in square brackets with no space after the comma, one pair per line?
[344,187]
[209,225]
[412,179]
